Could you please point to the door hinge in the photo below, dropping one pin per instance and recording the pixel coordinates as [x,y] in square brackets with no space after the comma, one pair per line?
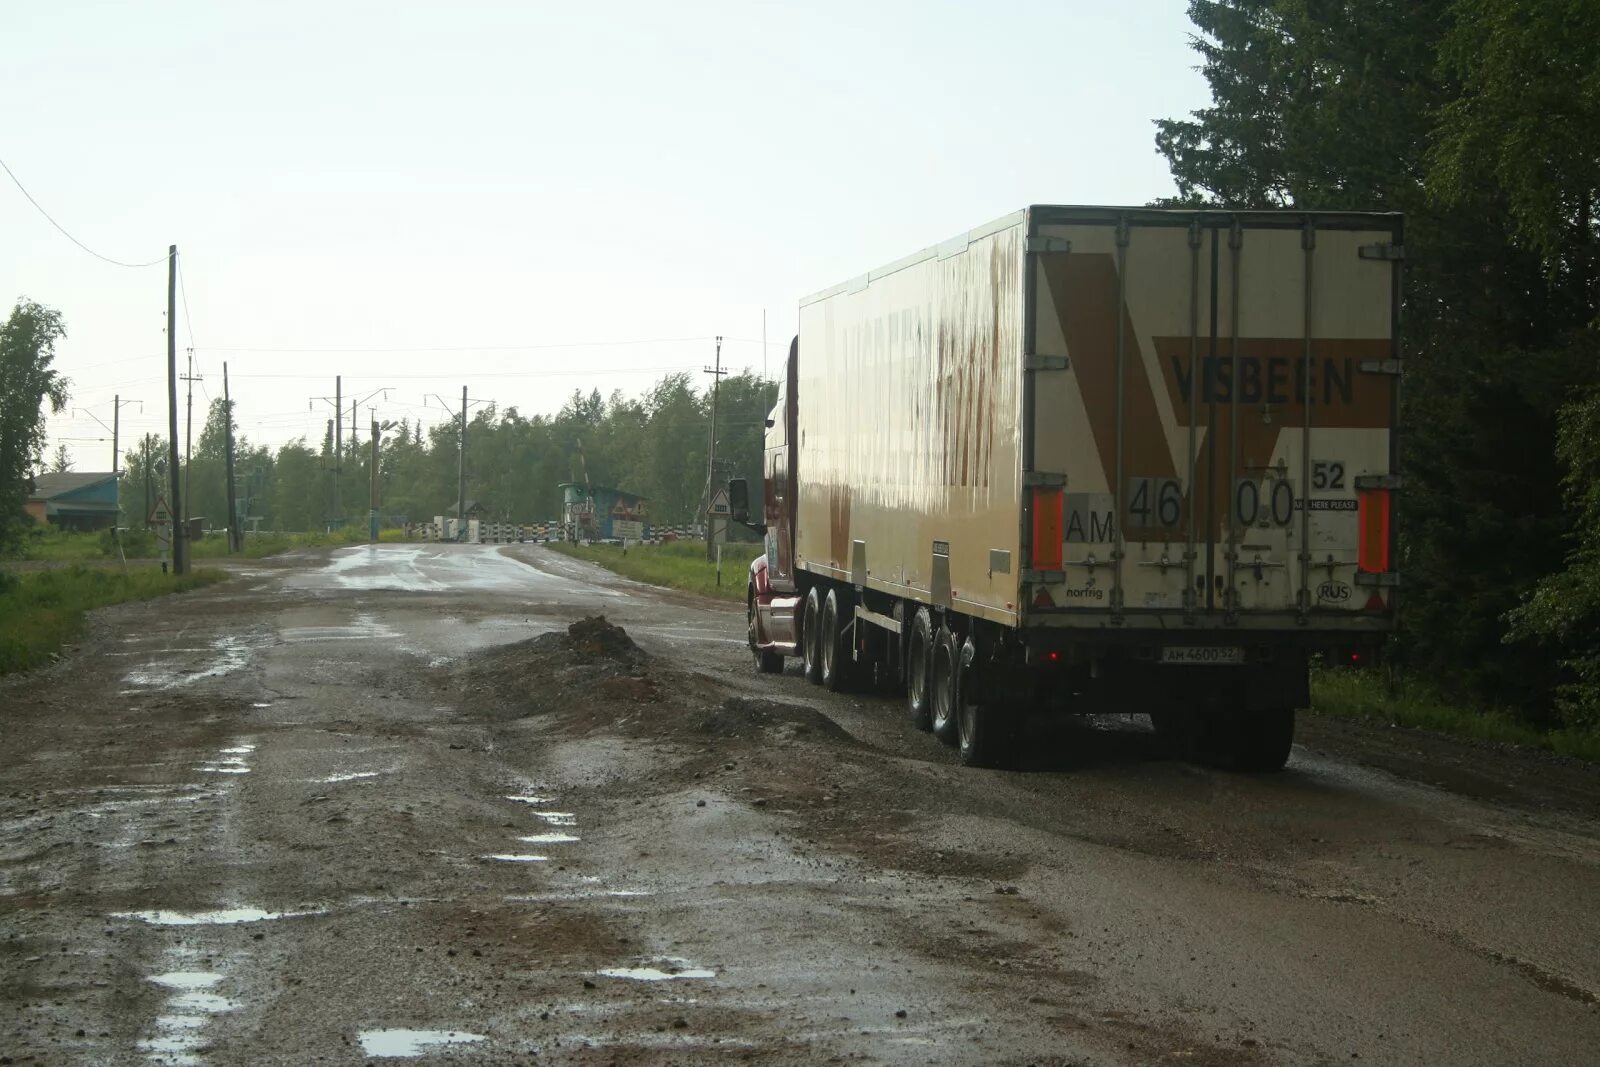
[1037,244]
[1043,480]
[1045,363]
[1380,366]
[1385,250]
[1380,481]
[1382,579]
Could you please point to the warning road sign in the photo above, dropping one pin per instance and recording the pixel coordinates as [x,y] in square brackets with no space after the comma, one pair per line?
[719,502]
[160,515]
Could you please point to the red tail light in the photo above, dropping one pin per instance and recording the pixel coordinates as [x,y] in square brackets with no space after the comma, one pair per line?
[1047,536]
[1373,517]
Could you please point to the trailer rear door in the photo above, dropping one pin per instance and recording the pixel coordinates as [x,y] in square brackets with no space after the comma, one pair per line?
[1218,392]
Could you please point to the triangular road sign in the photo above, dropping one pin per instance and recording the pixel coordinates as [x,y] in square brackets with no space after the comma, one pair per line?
[160,515]
[719,502]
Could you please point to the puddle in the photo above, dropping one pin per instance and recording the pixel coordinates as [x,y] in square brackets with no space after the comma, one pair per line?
[548,839]
[530,800]
[575,894]
[558,818]
[350,777]
[511,857]
[656,974]
[214,768]
[232,655]
[187,980]
[412,1042]
[238,750]
[179,1036]
[223,917]
[210,1003]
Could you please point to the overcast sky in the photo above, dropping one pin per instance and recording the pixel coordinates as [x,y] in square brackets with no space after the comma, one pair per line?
[549,195]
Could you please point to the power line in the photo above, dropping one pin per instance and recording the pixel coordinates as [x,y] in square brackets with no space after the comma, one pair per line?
[40,207]
[477,348]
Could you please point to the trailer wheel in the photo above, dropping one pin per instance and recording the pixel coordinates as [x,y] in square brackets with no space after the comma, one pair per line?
[1255,742]
[835,655]
[919,652]
[986,727]
[767,661]
[944,683]
[810,647]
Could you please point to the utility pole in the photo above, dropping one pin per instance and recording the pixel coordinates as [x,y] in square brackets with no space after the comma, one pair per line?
[461,488]
[144,451]
[372,530]
[716,373]
[233,510]
[338,444]
[180,532]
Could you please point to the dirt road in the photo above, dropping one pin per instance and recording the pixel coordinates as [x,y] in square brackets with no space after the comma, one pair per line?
[342,808]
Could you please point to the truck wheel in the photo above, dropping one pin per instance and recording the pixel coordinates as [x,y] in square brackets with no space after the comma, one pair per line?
[943,681]
[810,647]
[767,661]
[986,729]
[1257,742]
[835,655]
[918,664]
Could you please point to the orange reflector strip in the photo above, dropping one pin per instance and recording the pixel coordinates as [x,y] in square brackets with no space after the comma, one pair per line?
[1047,535]
[1372,512]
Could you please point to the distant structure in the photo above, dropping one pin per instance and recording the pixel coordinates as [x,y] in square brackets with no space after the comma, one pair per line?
[74,500]
[600,513]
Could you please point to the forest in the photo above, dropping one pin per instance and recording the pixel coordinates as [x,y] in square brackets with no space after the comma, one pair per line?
[654,445]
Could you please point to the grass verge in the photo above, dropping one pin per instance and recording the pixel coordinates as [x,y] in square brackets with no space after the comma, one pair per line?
[70,546]
[42,610]
[676,565]
[1388,698]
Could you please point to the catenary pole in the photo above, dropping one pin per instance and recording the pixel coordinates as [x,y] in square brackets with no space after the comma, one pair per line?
[233,508]
[338,444]
[461,488]
[180,543]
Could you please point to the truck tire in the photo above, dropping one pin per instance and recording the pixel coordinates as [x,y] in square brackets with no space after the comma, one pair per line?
[1256,742]
[944,684]
[986,728]
[919,662]
[767,661]
[835,659]
[810,647]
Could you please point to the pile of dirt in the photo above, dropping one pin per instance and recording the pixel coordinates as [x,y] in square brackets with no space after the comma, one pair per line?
[593,663]
[745,718]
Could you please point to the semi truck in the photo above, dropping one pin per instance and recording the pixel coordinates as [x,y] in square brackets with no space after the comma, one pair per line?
[1091,460]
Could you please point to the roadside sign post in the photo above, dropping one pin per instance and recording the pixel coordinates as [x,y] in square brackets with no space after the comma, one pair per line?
[160,520]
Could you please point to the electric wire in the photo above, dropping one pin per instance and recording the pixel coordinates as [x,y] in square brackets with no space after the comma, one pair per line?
[48,217]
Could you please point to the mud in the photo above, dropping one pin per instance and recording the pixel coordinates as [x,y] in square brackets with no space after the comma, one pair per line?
[736,867]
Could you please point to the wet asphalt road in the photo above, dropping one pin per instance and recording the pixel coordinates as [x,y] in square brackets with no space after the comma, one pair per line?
[261,824]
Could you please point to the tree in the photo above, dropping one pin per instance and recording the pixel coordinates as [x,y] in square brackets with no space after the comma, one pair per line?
[60,460]
[27,350]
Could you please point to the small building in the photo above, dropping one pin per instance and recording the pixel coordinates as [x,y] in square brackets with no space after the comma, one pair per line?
[74,501]
[600,513]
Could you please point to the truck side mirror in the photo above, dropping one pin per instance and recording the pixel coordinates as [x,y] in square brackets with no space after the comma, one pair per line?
[739,500]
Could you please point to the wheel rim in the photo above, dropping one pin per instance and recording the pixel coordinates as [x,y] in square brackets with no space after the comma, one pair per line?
[941,687]
[826,639]
[966,722]
[919,671]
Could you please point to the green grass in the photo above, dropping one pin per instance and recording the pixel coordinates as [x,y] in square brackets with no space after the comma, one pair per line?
[677,565]
[42,610]
[68,546]
[259,545]
[1388,698]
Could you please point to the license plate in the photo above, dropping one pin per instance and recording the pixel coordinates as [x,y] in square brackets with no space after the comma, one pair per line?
[1211,655]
